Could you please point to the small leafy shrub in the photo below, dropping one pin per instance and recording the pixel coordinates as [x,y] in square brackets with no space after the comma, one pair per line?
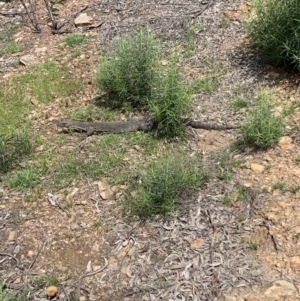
[279,186]
[164,181]
[24,179]
[207,85]
[75,39]
[262,127]
[239,103]
[274,31]
[189,37]
[171,102]
[10,295]
[129,73]
[11,48]
[12,148]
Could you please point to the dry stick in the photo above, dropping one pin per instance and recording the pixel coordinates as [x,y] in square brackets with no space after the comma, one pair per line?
[35,258]
[214,290]
[201,11]
[71,17]
[88,275]
[12,13]
[13,257]
[54,23]
[277,247]
[32,18]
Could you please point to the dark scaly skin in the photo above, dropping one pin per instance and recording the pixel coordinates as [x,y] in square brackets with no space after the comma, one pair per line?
[132,125]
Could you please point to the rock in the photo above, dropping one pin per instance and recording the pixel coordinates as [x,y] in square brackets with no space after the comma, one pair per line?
[113,263]
[295,260]
[30,253]
[82,298]
[51,291]
[74,227]
[280,288]
[257,167]
[197,243]
[224,297]
[285,140]
[27,59]
[40,49]
[104,189]
[251,298]
[83,19]
[12,235]
[96,267]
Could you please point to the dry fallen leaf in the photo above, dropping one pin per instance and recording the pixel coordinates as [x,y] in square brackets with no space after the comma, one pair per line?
[197,243]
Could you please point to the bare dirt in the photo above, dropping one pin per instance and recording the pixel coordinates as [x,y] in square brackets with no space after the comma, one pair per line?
[200,253]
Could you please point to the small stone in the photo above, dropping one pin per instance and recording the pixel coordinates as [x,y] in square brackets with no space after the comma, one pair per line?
[12,235]
[197,243]
[27,59]
[251,298]
[96,268]
[285,140]
[74,227]
[51,291]
[224,297]
[105,191]
[113,263]
[82,298]
[280,288]
[40,49]
[83,19]
[122,254]
[30,253]
[257,167]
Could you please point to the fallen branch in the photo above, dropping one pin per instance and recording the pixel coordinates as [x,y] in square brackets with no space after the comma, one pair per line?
[271,233]
[71,17]
[31,15]
[54,23]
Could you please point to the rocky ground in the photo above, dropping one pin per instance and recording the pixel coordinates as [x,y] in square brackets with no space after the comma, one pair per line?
[249,251]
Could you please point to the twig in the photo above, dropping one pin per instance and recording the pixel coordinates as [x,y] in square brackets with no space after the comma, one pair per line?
[13,13]
[54,23]
[67,296]
[199,12]
[271,233]
[37,255]
[13,257]
[213,239]
[31,15]
[88,275]
[71,17]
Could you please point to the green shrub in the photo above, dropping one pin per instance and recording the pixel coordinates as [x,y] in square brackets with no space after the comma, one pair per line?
[262,127]
[129,73]
[75,39]
[164,181]
[11,48]
[13,148]
[25,179]
[171,101]
[274,29]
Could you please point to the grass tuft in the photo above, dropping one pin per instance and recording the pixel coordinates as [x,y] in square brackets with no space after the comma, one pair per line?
[75,39]
[171,102]
[262,127]
[129,73]
[164,181]
[274,29]
[13,148]
[24,179]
